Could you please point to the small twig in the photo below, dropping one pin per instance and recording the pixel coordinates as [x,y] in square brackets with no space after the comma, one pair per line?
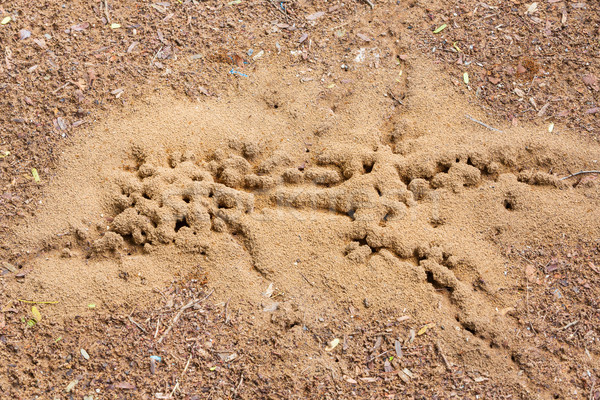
[438,347]
[181,310]
[592,390]
[378,355]
[174,389]
[61,87]
[136,324]
[579,173]
[238,385]
[106,11]
[482,123]
[283,11]
[157,326]
[306,279]
[370,3]
[570,324]
[395,98]
[187,364]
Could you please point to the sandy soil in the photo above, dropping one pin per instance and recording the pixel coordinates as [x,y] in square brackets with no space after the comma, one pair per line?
[337,213]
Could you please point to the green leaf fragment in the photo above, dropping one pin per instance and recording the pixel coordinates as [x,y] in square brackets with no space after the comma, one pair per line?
[31,323]
[36,176]
[5,20]
[115,26]
[440,28]
[212,368]
[234,2]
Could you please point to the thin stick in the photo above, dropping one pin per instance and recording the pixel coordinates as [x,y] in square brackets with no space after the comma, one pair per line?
[395,98]
[136,324]
[483,124]
[37,302]
[61,87]
[181,310]
[306,279]
[570,324]
[239,384]
[370,3]
[579,173]
[592,390]
[106,11]
[377,356]
[284,12]
[157,326]
[438,346]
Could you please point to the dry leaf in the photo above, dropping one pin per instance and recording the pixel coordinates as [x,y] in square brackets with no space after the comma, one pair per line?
[530,272]
[592,110]
[36,314]
[363,37]
[80,27]
[531,9]
[24,34]
[333,344]
[315,16]
[425,328]
[124,385]
[269,291]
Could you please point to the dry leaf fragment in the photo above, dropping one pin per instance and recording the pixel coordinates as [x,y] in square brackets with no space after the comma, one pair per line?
[592,110]
[387,366]
[132,46]
[84,354]
[41,43]
[591,80]
[36,314]
[71,385]
[532,8]
[269,291]
[315,16]
[80,27]
[363,37]
[368,379]
[271,308]
[333,344]
[398,348]
[24,34]
[124,385]
[425,328]
[519,92]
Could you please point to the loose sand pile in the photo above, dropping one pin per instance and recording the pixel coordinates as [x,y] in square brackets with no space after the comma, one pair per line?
[378,194]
